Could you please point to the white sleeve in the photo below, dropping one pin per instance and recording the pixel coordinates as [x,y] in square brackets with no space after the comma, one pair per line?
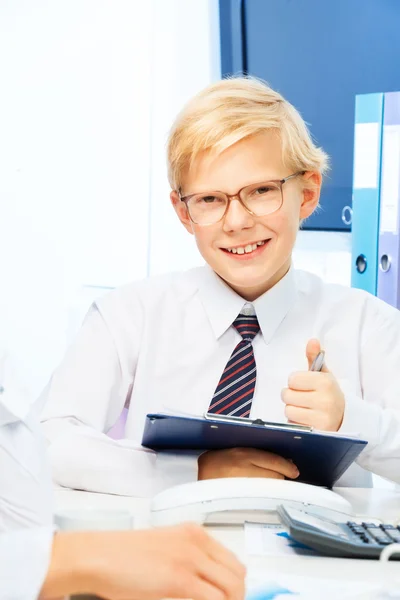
[83,400]
[376,416]
[25,556]
[26,498]
[26,514]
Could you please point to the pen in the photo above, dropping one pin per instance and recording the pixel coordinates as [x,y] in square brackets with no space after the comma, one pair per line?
[318,362]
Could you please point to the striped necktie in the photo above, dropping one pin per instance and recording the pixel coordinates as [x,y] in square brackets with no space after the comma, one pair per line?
[235,390]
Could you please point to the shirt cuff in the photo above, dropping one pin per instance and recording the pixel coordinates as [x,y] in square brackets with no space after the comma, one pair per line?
[25,557]
[175,468]
[361,419]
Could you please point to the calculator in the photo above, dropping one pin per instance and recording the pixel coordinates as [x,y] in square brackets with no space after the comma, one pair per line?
[347,539]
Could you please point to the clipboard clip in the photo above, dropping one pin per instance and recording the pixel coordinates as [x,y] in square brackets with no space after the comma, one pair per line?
[257,422]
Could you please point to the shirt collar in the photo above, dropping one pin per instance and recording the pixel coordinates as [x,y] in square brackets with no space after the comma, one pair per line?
[222,305]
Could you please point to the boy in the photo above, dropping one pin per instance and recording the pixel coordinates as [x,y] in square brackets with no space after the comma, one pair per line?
[238,335]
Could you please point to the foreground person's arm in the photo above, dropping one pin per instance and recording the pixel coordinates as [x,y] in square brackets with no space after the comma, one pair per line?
[176,562]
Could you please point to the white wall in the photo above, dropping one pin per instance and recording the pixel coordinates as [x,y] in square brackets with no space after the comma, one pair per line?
[74,163]
[325,253]
[185,59]
[90,88]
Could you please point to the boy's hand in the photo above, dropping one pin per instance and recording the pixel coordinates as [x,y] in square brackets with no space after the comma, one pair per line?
[314,398]
[245,462]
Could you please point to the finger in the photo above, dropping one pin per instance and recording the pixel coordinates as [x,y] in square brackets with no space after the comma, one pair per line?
[306,381]
[313,348]
[215,563]
[302,416]
[222,555]
[221,578]
[301,399]
[274,464]
[256,471]
[197,588]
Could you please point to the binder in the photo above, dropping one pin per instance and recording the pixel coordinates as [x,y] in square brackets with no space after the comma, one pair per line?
[366,190]
[321,457]
[389,245]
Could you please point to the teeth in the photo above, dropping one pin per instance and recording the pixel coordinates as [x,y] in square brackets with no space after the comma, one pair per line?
[246,249]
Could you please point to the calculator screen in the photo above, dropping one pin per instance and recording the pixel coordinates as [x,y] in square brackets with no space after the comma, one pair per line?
[327,527]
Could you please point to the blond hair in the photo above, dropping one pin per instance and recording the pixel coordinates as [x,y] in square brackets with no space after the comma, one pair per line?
[230,110]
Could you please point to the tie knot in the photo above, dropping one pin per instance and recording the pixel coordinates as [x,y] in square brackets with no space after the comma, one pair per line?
[247,326]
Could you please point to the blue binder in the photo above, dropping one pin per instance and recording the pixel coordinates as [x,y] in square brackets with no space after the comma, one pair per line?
[366,190]
[320,457]
[388,286]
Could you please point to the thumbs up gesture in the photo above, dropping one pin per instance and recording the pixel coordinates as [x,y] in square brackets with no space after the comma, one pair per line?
[314,398]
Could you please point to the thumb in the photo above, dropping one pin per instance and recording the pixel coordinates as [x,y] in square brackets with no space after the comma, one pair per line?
[312,350]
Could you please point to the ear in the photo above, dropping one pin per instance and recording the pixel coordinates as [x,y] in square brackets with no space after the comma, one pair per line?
[311,193]
[181,210]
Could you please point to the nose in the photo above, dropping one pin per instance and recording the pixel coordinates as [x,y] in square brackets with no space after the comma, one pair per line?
[237,217]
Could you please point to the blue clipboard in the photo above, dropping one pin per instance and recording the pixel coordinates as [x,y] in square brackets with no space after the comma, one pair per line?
[321,458]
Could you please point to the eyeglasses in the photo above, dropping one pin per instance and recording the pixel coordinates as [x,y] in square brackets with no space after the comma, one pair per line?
[259,199]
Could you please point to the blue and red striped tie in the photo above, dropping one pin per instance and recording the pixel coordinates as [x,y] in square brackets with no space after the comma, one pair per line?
[235,390]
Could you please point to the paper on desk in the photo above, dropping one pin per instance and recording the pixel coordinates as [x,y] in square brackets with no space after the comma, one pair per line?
[262,585]
[272,540]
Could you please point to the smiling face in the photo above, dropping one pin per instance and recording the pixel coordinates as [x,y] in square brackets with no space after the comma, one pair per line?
[251,254]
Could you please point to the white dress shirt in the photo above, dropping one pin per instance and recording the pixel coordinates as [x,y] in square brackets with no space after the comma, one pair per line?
[25,501]
[161,345]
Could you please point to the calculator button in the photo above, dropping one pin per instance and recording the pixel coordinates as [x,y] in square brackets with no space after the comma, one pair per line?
[395,537]
[354,526]
[387,527]
[370,526]
[383,541]
[375,532]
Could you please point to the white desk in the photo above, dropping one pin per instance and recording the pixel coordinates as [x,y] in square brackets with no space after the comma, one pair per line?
[383,504]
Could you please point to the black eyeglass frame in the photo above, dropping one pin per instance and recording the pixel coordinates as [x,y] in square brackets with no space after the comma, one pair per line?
[229,198]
